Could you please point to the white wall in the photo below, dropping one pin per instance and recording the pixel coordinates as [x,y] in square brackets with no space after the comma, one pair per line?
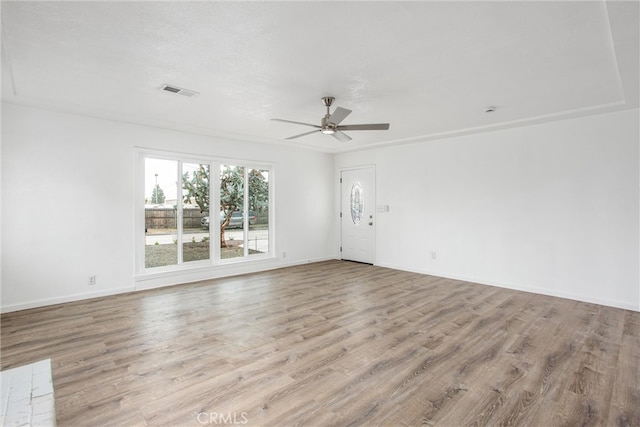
[550,208]
[68,186]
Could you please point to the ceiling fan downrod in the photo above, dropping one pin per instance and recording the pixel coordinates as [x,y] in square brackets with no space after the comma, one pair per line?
[328,128]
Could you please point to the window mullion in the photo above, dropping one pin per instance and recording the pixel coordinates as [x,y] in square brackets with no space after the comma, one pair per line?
[245,207]
[214,211]
[179,213]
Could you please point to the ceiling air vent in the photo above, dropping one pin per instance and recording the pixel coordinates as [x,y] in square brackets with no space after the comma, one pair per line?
[180,91]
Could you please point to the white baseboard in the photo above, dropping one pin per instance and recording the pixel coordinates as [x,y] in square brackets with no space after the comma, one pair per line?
[67,298]
[175,279]
[533,289]
[161,280]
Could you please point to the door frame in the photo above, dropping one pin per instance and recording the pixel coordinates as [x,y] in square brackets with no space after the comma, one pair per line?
[341,212]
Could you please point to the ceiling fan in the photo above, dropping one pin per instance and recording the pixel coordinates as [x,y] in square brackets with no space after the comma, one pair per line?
[330,123]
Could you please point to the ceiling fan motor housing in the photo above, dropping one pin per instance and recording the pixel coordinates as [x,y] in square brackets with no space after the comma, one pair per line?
[327,127]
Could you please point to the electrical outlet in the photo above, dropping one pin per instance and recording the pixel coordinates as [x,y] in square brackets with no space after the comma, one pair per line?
[284,255]
[92,280]
[434,255]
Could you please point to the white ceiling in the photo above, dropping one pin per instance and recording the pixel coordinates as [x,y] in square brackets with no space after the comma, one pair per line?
[428,68]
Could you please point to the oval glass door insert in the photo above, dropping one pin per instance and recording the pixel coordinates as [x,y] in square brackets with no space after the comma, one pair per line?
[357,203]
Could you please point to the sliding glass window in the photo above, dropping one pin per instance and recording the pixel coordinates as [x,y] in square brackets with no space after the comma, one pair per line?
[193,218]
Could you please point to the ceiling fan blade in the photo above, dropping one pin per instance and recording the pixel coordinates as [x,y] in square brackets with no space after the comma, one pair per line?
[297,123]
[339,115]
[341,136]
[370,126]
[303,134]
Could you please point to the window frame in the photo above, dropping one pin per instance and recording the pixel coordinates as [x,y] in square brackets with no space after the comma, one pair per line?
[214,200]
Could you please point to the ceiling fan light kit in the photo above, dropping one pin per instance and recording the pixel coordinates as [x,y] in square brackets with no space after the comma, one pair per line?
[330,123]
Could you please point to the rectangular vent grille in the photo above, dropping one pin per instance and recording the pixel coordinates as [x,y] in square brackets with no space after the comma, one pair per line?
[180,91]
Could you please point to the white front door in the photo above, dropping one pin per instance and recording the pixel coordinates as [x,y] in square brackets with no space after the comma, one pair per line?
[358,214]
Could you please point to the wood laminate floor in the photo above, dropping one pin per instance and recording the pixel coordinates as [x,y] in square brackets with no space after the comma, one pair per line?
[333,343]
